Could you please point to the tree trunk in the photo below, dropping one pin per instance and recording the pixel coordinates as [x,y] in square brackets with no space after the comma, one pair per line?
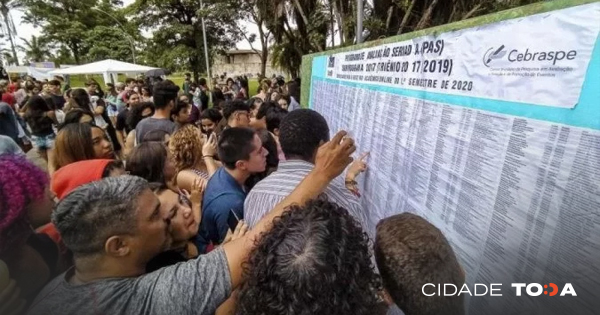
[332,21]
[10,36]
[264,57]
[75,50]
[13,48]
[425,19]
[388,20]
[472,12]
[406,17]
[301,11]
[349,31]
[340,21]
[195,68]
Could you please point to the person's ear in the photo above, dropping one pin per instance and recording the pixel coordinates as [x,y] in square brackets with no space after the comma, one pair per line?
[117,246]
[241,165]
[276,132]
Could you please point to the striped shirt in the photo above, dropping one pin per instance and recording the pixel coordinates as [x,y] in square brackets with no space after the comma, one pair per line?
[273,189]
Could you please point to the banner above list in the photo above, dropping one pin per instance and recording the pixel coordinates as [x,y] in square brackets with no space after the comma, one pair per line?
[541,59]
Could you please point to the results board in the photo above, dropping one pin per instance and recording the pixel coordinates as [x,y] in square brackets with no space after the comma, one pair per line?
[493,135]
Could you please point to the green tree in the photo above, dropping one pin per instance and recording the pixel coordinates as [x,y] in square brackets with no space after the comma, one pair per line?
[69,23]
[6,54]
[106,42]
[391,17]
[7,25]
[299,27]
[63,56]
[285,55]
[177,25]
[35,49]
[255,11]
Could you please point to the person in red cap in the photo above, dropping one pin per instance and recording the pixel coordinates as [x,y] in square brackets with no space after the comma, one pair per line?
[72,176]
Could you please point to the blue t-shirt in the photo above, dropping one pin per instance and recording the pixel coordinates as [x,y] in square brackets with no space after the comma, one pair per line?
[223,194]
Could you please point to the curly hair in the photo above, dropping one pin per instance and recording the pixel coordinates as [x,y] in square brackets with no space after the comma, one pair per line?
[186,147]
[314,260]
[21,183]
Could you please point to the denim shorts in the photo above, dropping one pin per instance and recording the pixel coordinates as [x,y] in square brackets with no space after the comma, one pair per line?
[43,143]
[112,110]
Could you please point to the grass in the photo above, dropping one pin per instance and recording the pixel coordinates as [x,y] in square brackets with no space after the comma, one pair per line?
[79,81]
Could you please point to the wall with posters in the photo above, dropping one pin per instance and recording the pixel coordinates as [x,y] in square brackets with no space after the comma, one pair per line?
[492,133]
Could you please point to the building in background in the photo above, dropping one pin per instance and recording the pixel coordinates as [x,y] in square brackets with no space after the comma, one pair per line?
[241,62]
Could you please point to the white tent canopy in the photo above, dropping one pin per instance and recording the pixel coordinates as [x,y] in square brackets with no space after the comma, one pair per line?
[109,68]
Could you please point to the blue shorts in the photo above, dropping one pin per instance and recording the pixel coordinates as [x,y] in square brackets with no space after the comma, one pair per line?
[112,110]
[43,143]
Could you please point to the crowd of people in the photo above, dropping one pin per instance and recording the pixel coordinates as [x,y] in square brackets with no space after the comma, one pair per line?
[152,201]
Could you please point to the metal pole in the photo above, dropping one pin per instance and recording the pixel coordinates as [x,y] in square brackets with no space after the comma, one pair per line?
[359,21]
[129,37]
[209,81]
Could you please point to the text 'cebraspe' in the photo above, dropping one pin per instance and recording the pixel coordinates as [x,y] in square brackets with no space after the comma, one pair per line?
[495,289]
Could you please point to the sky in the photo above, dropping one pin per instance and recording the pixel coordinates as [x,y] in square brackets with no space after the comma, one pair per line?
[26,30]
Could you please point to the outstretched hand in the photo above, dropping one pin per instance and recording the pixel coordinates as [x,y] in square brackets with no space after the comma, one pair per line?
[334,156]
[198,188]
[210,146]
[359,166]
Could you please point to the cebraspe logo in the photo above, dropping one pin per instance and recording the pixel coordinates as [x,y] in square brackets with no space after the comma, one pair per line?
[495,289]
[331,62]
[494,54]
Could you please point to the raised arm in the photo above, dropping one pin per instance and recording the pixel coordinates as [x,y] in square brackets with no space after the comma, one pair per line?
[332,158]
[209,151]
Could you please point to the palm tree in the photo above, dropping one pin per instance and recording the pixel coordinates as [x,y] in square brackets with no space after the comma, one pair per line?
[35,49]
[285,56]
[7,25]
[6,55]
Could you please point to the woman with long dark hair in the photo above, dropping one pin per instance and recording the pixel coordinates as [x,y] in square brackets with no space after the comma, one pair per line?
[82,100]
[151,161]
[78,115]
[78,142]
[146,94]
[134,116]
[40,117]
